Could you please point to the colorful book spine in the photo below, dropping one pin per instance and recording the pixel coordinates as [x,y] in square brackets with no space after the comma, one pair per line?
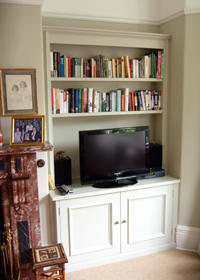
[80,100]
[118,100]
[62,66]
[84,100]
[90,99]
[76,100]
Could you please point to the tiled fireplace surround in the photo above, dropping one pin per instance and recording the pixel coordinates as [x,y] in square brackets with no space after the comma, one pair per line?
[20,205]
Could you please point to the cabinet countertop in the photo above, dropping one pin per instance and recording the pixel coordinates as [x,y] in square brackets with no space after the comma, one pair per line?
[89,190]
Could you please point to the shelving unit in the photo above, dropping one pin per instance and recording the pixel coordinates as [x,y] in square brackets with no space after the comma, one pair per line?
[102,226]
[63,129]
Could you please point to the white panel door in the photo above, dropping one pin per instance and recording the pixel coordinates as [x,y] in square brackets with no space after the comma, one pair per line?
[90,227]
[146,218]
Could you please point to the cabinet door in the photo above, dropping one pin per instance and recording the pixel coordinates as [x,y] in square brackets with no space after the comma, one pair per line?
[146,218]
[90,227]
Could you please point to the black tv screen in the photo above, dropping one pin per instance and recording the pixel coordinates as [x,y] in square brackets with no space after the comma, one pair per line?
[111,155]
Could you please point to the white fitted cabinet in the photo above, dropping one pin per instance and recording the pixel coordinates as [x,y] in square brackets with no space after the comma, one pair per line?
[62,129]
[105,225]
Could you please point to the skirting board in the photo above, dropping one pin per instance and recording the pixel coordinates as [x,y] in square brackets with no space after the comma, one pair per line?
[187,238]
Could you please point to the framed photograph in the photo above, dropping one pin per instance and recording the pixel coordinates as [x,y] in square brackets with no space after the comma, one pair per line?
[27,130]
[18,92]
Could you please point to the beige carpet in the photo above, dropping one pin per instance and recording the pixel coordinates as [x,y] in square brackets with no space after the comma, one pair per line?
[169,265]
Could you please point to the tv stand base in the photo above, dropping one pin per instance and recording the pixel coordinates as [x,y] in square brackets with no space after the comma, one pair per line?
[116,184]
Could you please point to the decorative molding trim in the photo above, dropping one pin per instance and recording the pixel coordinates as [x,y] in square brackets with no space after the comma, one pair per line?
[92,31]
[23,2]
[97,18]
[187,238]
[122,20]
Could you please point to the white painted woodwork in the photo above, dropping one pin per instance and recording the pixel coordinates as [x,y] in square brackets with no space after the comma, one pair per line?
[98,226]
[149,218]
[89,228]
[81,42]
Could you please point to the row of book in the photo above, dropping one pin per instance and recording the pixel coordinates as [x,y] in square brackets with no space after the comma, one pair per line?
[147,66]
[83,100]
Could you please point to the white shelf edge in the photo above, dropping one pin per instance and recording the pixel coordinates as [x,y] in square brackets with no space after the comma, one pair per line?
[101,114]
[74,79]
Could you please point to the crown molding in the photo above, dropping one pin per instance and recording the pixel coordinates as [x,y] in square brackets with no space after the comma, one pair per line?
[23,2]
[93,31]
[97,18]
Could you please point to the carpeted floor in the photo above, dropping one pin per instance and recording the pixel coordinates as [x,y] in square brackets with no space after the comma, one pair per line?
[169,265]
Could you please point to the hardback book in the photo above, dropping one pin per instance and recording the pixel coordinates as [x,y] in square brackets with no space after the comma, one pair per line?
[55,64]
[61,100]
[162,65]
[103,102]
[123,67]
[58,64]
[109,68]
[57,100]
[66,102]
[113,101]
[141,108]
[69,66]
[98,59]
[143,94]
[126,91]
[132,95]
[119,68]
[159,65]
[80,100]
[84,68]
[62,66]
[156,99]
[126,66]
[118,100]
[107,102]
[122,100]
[65,66]
[147,101]
[152,65]
[136,101]
[95,104]
[78,67]
[131,67]
[73,67]
[71,96]
[90,99]
[84,100]
[113,68]
[81,67]
[76,101]
[159,100]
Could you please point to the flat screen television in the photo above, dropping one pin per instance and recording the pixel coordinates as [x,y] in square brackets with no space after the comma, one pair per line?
[113,157]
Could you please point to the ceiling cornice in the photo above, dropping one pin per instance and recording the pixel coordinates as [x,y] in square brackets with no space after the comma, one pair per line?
[24,2]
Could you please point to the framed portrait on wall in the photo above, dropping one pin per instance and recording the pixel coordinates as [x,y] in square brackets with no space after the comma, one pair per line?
[27,130]
[18,92]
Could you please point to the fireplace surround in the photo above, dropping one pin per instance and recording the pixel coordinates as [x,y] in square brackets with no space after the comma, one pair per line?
[20,206]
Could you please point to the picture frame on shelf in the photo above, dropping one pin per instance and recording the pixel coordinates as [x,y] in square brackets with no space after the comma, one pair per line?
[27,130]
[18,90]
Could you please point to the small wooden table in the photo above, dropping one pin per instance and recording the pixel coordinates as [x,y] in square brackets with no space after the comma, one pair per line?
[52,258]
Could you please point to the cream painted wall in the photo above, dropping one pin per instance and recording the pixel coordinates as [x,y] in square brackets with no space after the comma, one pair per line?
[190,160]
[122,11]
[184,114]
[21,47]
